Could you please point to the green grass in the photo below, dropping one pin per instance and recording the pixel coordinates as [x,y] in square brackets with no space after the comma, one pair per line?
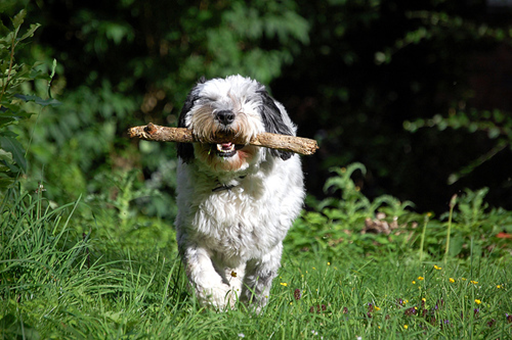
[57,283]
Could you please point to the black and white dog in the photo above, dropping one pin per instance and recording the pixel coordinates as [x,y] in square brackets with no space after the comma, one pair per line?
[236,202]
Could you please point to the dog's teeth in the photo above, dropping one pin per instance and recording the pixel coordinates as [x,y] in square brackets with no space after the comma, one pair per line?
[225,147]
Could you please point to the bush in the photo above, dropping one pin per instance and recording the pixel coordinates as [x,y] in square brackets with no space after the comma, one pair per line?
[339,227]
[14,76]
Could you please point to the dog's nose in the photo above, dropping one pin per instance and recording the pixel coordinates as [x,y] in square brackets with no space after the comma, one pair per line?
[225,117]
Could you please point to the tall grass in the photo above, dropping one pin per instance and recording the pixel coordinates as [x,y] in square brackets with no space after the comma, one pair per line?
[55,283]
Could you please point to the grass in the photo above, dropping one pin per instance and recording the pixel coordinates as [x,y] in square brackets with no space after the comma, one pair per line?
[60,284]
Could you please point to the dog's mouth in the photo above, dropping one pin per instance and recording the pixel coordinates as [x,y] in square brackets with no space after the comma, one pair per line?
[226,149]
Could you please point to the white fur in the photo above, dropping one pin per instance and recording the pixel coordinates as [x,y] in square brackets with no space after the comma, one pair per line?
[232,219]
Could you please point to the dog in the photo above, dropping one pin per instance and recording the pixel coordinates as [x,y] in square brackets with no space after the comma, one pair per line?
[235,202]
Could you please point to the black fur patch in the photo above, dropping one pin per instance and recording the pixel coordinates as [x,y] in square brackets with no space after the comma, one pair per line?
[273,121]
[186,150]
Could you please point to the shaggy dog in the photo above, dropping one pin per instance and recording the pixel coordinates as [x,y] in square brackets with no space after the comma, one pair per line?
[235,202]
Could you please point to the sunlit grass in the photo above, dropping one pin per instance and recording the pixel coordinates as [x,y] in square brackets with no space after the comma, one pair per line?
[127,282]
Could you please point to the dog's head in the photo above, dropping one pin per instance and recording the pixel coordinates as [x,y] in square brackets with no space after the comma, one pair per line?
[235,106]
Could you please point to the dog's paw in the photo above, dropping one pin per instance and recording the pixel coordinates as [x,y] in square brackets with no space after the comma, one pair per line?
[219,298]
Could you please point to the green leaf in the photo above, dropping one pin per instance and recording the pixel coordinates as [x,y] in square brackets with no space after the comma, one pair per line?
[456,245]
[494,132]
[6,119]
[18,19]
[30,32]
[38,100]
[13,146]
[5,156]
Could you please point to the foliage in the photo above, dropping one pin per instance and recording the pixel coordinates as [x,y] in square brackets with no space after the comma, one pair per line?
[140,64]
[12,110]
[336,227]
[349,72]
[373,65]
[476,227]
[118,213]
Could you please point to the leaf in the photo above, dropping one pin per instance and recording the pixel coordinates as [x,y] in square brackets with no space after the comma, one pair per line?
[30,32]
[494,132]
[5,156]
[38,100]
[456,245]
[6,119]
[13,146]
[18,19]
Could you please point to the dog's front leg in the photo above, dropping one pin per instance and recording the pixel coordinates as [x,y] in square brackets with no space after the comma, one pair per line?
[209,286]
[258,278]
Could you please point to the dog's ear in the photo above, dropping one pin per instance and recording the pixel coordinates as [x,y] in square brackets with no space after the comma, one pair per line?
[273,121]
[186,150]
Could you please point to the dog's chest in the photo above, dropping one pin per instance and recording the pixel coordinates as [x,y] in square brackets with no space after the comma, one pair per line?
[235,222]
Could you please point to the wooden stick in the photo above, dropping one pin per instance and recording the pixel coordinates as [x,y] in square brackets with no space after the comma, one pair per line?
[158,133]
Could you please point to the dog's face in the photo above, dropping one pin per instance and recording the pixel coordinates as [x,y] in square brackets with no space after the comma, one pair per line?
[232,106]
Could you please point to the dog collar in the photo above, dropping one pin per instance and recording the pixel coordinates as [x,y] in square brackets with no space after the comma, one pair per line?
[222,187]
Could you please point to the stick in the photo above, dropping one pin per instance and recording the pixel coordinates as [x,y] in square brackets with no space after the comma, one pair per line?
[158,133]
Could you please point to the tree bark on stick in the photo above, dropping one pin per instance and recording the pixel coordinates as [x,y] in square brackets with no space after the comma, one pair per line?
[158,133]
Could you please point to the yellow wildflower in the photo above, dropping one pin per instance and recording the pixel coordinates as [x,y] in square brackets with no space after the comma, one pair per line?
[473,282]
[413,282]
[405,326]
[283,284]
[478,301]
[377,308]
[421,278]
[437,267]
[451,280]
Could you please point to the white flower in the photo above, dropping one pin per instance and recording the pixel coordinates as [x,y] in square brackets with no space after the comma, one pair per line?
[241,335]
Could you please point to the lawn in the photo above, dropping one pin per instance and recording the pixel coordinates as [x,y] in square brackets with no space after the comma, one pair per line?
[77,272]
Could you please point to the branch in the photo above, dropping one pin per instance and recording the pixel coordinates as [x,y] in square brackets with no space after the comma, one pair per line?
[158,133]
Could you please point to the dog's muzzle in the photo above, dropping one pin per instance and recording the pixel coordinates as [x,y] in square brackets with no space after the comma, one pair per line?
[225,117]
[226,149]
